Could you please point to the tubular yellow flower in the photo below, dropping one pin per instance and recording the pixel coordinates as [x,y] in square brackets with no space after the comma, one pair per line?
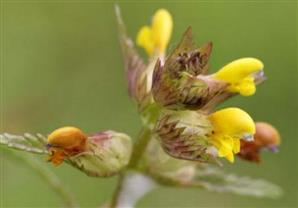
[65,141]
[240,75]
[155,38]
[229,126]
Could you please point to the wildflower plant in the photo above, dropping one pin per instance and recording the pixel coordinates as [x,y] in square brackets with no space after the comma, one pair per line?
[183,138]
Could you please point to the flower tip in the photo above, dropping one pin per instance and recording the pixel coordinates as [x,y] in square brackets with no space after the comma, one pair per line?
[154,39]
[162,17]
[240,75]
[162,25]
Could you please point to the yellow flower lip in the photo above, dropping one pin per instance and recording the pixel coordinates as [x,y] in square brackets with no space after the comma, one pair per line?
[240,74]
[229,126]
[155,38]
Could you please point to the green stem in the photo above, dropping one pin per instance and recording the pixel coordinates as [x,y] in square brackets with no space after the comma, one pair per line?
[139,147]
[47,175]
[117,191]
[138,150]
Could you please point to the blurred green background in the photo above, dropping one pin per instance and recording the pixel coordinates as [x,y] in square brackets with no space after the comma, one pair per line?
[61,65]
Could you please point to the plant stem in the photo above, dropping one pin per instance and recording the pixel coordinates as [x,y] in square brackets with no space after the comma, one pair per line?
[138,150]
[117,192]
[139,147]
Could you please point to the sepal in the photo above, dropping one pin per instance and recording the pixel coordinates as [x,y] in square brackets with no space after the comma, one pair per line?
[107,153]
[179,83]
[184,135]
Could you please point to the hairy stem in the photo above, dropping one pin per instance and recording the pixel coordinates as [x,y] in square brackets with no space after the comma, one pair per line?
[125,179]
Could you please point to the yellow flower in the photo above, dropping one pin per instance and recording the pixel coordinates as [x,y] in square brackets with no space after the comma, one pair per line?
[229,126]
[240,75]
[155,38]
[65,141]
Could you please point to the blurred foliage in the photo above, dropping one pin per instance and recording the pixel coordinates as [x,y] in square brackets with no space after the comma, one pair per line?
[62,66]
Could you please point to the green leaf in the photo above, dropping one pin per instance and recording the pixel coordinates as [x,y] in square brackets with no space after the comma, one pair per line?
[27,142]
[215,179]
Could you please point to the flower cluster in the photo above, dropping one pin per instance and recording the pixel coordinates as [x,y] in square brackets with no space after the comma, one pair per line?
[183,96]
[176,99]
[182,134]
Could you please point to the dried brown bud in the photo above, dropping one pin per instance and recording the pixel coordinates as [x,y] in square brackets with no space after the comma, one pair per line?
[266,137]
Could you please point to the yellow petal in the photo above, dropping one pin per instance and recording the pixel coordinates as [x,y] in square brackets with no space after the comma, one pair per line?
[239,69]
[247,87]
[226,150]
[239,74]
[236,147]
[229,125]
[225,145]
[144,39]
[162,25]
[230,157]
[155,38]
[232,121]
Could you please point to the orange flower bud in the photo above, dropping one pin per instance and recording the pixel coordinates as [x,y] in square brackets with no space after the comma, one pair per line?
[266,137]
[65,141]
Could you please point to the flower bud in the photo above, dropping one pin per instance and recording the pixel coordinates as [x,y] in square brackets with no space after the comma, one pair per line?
[240,75]
[107,153]
[266,137]
[102,154]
